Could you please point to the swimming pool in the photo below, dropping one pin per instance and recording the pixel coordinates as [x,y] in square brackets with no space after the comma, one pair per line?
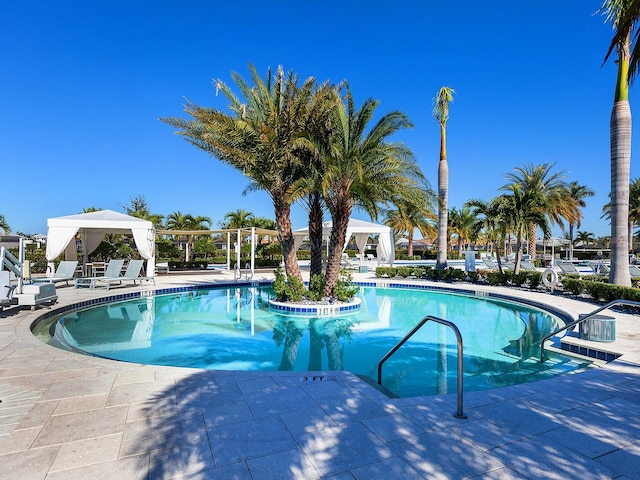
[234,329]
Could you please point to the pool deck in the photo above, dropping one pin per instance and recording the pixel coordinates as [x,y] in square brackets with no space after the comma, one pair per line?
[67,416]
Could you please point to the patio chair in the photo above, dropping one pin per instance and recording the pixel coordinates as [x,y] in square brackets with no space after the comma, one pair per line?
[527,265]
[568,268]
[114,269]
[601,269]
[491,265]
[132,273]
[65,272]
[634,271]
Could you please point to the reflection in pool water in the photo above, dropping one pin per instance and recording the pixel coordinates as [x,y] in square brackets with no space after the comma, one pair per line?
[233,329]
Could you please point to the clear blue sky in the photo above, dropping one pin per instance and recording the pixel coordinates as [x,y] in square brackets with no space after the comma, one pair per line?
[84,83]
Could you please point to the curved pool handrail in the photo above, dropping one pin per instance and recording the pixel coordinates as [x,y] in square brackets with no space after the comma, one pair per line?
[459,411]
[582,319]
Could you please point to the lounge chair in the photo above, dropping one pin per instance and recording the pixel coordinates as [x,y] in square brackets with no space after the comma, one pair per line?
[65,272]
[568,268]
[601,269]
[634,271]
[162,267]
[491,265]
[132,273]
[114,269]
[527,265]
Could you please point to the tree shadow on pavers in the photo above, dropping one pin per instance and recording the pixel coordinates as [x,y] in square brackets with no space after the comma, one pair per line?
[259,425]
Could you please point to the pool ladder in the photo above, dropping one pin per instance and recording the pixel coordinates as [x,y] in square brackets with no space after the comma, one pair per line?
[582,319]
[248,272]
[459,412]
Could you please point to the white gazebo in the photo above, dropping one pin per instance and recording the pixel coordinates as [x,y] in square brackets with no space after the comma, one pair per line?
[92,228]
[361,230]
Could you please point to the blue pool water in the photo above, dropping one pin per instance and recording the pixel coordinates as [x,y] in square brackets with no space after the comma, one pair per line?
[234,329]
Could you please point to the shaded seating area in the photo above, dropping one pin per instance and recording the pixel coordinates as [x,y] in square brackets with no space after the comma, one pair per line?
[113,271]
[66,271]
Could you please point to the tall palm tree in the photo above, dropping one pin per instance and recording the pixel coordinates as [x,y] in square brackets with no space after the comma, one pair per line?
[578,193]
[308,189]
[441,114]
[623,15]
[363,169]
[260,138]
[410,215]
[634,210]
[4,226]
[543,188]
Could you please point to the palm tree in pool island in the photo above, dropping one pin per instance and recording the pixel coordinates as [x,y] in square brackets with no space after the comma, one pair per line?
[441,114]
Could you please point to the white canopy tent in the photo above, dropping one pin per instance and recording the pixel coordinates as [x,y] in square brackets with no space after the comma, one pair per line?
[361,230]
[93,227]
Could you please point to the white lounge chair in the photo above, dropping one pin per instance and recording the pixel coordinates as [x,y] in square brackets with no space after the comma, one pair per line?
[113,271]
[65,272]
[634,271]
[568,268]
[491,265]
[601,269]
[132,273]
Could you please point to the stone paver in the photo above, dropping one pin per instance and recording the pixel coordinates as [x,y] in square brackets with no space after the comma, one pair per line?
[65,417]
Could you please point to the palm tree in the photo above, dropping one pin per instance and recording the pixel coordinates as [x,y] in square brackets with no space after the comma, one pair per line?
[138,207]
[542,188]
[260,138]
[634,210]
[623,15]
[578,193]
[411,215]
[524,207]
[308,190]
[240,218]
[491,217]
[363,169]
[441,114]
[585,238]
[4,226]
[179,221]
[461,226]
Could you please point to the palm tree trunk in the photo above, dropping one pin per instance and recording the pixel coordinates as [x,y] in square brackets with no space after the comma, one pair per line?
[315,234]
[340,218]
[410,245]
[285,235]
[532,241]
[443,201]
[620,138]
[570,241]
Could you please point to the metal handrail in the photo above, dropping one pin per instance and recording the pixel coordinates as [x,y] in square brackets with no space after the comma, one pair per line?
[247,271]
[237,272]
[582,319]
[459,412]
